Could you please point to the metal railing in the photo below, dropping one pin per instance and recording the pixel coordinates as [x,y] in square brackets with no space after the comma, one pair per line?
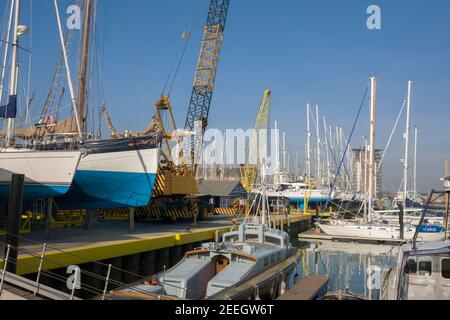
[75,279]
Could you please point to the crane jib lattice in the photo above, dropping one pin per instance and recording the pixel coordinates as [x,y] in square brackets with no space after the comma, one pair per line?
[208,62]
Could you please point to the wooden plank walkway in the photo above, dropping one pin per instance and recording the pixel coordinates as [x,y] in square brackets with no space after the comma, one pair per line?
[16,294]
[308,288]
[24,288]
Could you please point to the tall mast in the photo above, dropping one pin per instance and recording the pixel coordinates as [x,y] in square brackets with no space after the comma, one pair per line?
[308,144]
[5,57]
[408,125]
[330,142]
[341,157]
[365,178]
[277,155]
[327,152]
[319,175]
[373,109]
[12,103]
[284,154]
[415,161]
[338,144]
[84,64]
[68,73]
[338,152]
[224,159]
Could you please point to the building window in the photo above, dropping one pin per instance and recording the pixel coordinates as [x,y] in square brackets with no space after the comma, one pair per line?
[445,267]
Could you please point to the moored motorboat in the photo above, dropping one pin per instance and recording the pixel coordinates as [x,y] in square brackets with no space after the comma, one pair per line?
[422,273]
[380,232]
[298,192]
[209,271]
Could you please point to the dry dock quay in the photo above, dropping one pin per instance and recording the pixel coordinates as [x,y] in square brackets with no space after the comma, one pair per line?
[149,249]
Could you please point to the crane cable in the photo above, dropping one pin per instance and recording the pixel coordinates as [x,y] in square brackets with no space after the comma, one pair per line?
[186,38]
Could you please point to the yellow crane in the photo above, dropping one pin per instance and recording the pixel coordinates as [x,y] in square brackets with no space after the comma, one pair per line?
[249,171]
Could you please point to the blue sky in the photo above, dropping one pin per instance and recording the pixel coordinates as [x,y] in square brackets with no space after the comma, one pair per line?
[318,50]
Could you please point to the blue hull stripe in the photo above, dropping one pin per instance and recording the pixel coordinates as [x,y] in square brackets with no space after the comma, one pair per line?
[104,189]
[310,200]
[35,191]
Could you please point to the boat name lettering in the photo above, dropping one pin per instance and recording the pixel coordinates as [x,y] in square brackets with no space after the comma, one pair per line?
[142,143]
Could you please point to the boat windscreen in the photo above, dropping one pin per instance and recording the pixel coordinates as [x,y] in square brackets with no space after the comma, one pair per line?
[251,237]
[273,240]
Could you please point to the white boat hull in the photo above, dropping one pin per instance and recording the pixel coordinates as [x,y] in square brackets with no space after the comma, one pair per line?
[47,173]
[375,232]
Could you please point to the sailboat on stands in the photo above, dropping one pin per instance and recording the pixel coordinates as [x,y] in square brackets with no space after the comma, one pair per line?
[112,173]
[371,231]
[47,173]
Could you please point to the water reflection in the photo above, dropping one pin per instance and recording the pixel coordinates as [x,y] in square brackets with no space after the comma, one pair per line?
[354,268]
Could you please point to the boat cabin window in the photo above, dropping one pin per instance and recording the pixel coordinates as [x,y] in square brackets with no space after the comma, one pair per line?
[251,237]
[274,241]
[282,188]
[445,267]
[422,266]
[425,267]
[231,239]
[411,266]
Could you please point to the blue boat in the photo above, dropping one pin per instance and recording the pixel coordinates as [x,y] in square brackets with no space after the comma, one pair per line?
[115,173]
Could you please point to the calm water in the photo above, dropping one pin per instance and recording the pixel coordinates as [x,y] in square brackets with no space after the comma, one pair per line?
[351,267]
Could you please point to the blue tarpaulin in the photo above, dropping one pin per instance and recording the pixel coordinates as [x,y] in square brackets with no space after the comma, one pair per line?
[10,110]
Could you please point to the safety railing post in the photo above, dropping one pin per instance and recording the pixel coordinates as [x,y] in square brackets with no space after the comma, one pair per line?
[105,290]
[44,248]
[5,264]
